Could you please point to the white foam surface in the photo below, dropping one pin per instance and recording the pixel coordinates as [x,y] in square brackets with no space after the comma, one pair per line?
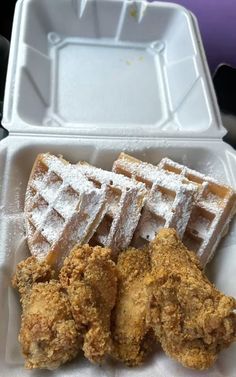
[88,79]
[19,154]
[109,68]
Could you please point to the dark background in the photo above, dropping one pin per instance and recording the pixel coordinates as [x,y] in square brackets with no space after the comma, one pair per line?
[6,17]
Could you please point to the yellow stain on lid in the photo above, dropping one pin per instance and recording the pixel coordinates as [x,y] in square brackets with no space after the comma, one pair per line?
[133,12]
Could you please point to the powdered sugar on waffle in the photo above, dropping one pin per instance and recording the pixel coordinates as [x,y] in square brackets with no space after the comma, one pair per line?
[174,209]
[70,174]
[136,168]
[169,204]
[60,200]
[214,209]
[209,214]
[67,203]
[108,177]
[63,179]
[184,170]
[125,201]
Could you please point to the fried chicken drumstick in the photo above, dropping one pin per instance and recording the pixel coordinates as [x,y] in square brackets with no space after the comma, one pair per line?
[90,279]
[48,334]
[192,320]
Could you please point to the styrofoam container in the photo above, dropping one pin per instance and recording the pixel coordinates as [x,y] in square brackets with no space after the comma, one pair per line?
[89,79]
[109,68]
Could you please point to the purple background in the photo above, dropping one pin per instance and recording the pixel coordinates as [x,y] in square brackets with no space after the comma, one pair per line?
[217,22]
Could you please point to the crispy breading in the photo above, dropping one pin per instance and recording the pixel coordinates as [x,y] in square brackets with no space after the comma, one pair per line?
[190,317]
[132,337]
[163,295]
[30,271]
[48,335]
[90,278]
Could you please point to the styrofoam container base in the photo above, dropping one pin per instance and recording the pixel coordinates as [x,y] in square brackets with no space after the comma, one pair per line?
[89,79]
[16,159]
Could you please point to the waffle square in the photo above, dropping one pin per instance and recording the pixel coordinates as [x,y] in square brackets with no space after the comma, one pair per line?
[211,214]
[204,220]
[169,203]
[62,208]
[124,204]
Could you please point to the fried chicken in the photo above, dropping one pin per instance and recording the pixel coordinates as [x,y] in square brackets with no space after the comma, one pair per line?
[90,279]
[48,334]
[132,337]
[192,320]
[30,272]
[162,295]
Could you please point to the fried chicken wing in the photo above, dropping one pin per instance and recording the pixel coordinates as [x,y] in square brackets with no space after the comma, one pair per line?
[90,278]
[162,295]
[192,320]
[48,335]
[132,337]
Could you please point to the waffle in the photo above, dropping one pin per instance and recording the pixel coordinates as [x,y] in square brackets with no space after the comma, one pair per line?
[62,208]
[211,214]
[125,202]
[208,215]
[169,203]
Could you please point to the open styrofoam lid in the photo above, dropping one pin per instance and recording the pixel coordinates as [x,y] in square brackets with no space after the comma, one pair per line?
[108,68]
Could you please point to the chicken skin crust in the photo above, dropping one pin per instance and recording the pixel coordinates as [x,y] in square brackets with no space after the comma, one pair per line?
[48,335]
[158,294]
[192,320]
[132,337]
[90,279]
